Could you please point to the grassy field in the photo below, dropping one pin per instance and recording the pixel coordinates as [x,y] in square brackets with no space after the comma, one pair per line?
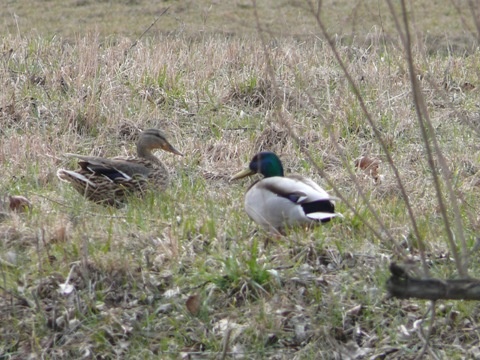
[185,273]
[437,25]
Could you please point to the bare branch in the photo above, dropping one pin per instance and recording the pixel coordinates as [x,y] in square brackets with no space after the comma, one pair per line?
[402,286]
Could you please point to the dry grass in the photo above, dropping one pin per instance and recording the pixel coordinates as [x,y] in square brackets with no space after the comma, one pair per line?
[438,25]
[313,294]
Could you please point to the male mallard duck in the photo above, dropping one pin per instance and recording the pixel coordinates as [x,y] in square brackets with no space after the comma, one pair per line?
[108,181]
[277,201]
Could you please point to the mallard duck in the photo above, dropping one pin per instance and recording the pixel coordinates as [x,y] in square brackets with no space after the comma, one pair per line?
[109,181]
[277,202]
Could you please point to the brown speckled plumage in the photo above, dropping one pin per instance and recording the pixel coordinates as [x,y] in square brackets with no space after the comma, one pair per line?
[109,181]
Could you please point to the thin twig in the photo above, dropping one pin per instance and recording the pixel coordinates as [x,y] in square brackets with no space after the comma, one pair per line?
[428,132]
[146,30]
[425,338]
[382,143]
[226,340]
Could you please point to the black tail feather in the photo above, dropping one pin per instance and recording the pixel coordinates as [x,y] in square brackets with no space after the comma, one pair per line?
[325,206]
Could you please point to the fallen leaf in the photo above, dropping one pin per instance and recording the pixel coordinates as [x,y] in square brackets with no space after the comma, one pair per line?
[369,165]
[19,203]
[193,304]
[66,288]
[365,163]
[467,86]
[170,293]
[59,235]
[355,311]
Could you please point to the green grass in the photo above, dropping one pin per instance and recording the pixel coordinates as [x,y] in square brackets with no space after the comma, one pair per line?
[75,84]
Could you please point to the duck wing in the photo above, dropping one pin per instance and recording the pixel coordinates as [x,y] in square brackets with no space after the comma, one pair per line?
[315,202]
[114,169]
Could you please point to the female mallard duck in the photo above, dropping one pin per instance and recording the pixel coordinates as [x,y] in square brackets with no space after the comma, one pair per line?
[277,201]
[109,181]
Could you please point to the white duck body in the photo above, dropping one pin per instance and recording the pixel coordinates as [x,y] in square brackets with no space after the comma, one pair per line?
[277,201]
[280,202]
